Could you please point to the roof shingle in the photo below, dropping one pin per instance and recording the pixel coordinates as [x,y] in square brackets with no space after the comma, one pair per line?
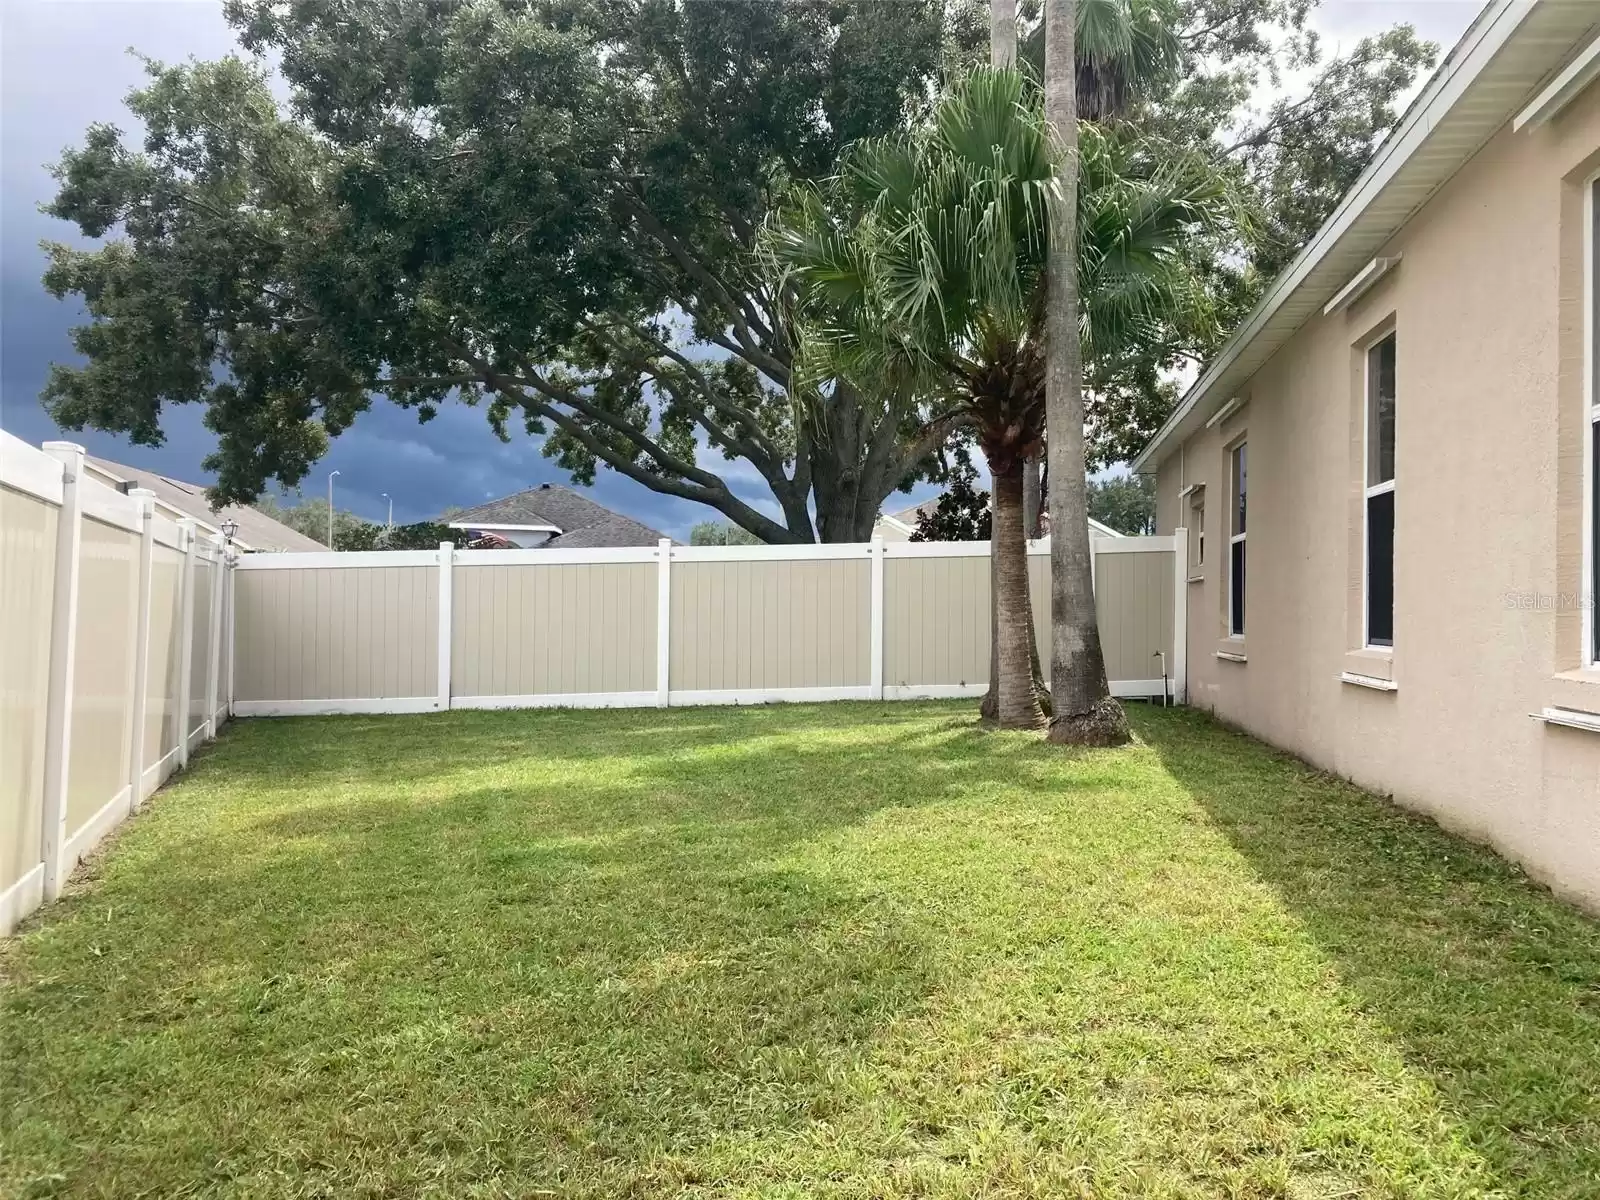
[582,522]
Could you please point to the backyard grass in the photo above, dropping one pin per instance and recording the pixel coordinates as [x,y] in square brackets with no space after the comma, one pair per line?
[833,951]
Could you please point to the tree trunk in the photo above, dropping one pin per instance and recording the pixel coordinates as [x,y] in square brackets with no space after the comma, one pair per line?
[1017,703]
[1002,32]
[1084,712]
[1032,495]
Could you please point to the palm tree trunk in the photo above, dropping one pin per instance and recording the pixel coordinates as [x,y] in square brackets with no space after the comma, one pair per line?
[1002,53]
[1032,496]
[1002,32]
[1083,711]
[1017,702]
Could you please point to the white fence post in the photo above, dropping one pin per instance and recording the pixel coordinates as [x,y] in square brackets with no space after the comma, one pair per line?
[213,659]
[233,633]
[876,550]
[186,633]
[663,621]
[1180,615]
[447,595]
[63,660]
[146,500]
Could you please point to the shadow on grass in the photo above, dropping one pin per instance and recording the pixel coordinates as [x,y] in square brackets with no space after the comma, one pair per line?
[1490,985]
[525,946]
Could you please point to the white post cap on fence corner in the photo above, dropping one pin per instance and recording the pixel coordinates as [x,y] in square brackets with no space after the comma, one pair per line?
[69,453]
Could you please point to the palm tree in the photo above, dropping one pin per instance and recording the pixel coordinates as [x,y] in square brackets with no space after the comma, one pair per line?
[1124,50]
[1083,709]
[920,271]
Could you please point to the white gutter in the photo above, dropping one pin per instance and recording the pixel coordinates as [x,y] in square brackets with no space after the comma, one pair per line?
[1476,49]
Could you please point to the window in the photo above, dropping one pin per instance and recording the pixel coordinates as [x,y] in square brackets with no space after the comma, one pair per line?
[1197,530]
[1236,527]
[1380,493]
[1590,580]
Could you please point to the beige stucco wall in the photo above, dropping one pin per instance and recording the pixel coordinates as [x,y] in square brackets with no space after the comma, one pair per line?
[27,588]
[102,676]
[1487,305]
[558,629]
[769,624]
[337,633]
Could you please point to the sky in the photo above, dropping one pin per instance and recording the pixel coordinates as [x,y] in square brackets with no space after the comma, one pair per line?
[66,63]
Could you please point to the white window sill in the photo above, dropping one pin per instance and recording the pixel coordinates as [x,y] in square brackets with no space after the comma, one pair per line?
[1197,578]
[1368,681]
[1232,656]
[1570,718]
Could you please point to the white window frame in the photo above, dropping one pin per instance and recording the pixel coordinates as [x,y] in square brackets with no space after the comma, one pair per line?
[1235,539]
[1197,522]
[1588,592]
[1377,489]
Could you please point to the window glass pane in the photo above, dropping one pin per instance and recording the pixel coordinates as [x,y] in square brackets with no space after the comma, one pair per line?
[1236,589]
[1239,488]
[1380,412]
[1380,569]
[1594,275]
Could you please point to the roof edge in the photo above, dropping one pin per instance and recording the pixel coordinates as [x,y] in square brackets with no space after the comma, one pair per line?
[1475,49]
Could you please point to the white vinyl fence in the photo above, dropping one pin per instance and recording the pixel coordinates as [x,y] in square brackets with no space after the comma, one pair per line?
[113,623]
[424,631]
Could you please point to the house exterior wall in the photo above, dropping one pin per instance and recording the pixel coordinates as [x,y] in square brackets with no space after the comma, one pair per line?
[1488,310]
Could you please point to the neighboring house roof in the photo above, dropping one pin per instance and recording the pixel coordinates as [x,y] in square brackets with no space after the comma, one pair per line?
[580,522]
[257,531]
[1513,47]
[897,526]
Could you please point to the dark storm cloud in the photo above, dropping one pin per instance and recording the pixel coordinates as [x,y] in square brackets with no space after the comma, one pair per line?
[64,66]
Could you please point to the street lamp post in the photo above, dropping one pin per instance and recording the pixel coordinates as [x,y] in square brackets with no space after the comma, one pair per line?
[331,474]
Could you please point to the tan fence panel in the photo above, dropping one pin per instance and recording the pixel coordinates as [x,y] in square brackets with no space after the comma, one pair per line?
[166,658]
[936,621]
[334,633]
[102,678]
[1133,600]
[757,625]
[566,629]
[1039,600]
[224,645]
[27,589]
[200,643]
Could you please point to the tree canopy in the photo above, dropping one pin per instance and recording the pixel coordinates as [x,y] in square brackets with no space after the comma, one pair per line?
[550,209]
[546,208]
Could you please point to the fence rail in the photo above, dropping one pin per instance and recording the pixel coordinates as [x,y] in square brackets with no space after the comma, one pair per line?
[113,627]
[424,631]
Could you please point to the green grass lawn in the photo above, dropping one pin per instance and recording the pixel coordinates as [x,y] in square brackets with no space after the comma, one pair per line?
[833,951]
